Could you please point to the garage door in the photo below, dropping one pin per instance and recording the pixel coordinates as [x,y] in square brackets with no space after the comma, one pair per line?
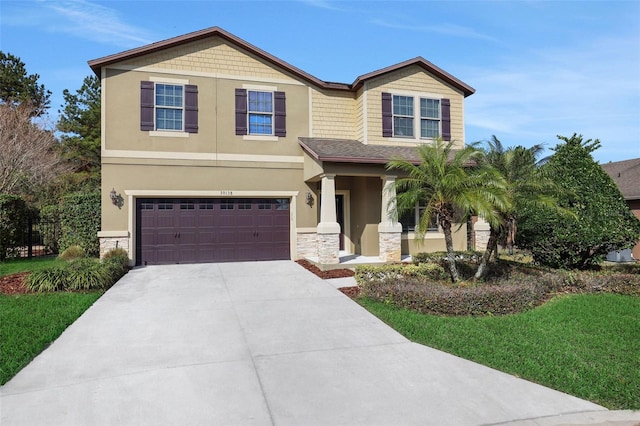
[211,230]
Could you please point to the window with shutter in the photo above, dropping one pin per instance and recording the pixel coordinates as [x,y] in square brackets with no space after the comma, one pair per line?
[168,107]
[415,117]
[261,113]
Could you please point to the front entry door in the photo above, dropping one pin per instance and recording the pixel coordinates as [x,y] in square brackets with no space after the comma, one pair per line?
[340,217]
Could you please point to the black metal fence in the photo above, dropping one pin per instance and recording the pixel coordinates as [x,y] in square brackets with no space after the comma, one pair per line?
[40,238]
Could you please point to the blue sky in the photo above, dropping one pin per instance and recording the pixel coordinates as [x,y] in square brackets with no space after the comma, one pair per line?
[540,68]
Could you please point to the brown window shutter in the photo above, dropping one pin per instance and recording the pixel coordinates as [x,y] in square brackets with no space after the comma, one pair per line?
[445,105]
[280,112]
[387,115]
[241,112]
[191,108]
[146,105]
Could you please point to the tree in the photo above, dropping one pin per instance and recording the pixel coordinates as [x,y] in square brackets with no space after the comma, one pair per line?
[28,159]
[526,186]
[16,87]
[80,123]
[447,183]
[601,220]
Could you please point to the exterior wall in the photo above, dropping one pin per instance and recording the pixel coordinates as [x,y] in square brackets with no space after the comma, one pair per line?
[434,241]
[333,114]
[411,79]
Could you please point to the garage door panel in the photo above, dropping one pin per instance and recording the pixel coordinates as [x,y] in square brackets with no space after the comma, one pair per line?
[212,230]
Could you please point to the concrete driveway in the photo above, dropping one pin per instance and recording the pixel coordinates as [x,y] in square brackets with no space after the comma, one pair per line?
[259,343]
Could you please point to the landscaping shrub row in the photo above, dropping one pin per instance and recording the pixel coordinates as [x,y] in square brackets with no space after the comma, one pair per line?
[81,273]
[509,288]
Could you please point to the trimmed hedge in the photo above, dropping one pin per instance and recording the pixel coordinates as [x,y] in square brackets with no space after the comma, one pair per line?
[510,288]
[14,215]
[80,222]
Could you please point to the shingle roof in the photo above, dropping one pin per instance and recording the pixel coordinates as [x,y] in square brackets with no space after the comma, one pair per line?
[97,64]
[626,174]
[353,151]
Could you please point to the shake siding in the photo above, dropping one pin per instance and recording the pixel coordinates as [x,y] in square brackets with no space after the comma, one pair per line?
[411,79]
[210,55]
[359,115]
[333,114]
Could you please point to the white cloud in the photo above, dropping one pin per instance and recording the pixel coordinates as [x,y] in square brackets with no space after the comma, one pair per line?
[79,18]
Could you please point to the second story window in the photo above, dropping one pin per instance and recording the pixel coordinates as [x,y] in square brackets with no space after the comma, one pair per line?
[169,106]
[260,113]
[168,109]
[403,116]
[415,117]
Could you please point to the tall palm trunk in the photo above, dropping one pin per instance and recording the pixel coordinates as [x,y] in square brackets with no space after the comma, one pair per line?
[451,257]
[492,245]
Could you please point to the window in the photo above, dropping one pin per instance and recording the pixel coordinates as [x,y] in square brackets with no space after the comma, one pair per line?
[168,107]
[399,117]
[260,113]
[429,118]
[169,102]
[403,116]
[410,220]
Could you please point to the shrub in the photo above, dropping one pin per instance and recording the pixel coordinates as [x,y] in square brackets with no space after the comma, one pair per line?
[13,221]
[72,253]
[49,279]
[602,221]
[87,274]
[80,222]
[441,256]
[394,271]
[116,262]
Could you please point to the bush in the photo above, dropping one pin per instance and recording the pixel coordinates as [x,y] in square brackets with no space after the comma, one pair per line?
[49,279]
[72,253]
[116,262]
[523,292]
[606,281]
[441,256]
[80,222]
[13,221]
[394,271]
[87,274]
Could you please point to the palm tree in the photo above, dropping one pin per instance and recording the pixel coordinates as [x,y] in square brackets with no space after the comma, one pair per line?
[525,186]
[447,182]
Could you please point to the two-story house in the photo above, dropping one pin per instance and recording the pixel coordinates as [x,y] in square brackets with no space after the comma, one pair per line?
[215,150]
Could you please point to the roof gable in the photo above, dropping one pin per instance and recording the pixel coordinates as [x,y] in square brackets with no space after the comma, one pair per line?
[97,64]
[626,175]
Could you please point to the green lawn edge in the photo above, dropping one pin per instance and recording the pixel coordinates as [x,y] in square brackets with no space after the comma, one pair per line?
[585,345]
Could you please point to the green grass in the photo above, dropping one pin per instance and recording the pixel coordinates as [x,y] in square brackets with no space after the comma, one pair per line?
[584,345]
[9,267]
[30,322]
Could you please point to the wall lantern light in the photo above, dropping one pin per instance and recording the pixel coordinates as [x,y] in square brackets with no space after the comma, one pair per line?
[308,199]
[114,197]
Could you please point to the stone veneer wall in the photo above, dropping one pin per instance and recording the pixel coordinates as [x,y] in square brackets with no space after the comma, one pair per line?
[482,239]
[329,248]
[109,243]
[390,246]
[307,245]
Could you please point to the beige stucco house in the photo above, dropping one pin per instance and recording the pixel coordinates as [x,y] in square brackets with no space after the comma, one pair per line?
[215,150]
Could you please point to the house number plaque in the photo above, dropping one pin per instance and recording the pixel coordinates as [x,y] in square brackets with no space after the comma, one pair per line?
[226,192]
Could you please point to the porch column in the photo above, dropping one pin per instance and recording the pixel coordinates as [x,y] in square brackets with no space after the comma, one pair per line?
[328,228]
[482,230]
[389,230]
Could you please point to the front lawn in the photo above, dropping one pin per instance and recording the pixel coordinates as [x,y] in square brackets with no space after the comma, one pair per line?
[587,345]
[15,266]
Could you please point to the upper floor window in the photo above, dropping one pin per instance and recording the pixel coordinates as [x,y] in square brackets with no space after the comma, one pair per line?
[168,107]
[400,117]
[261,113]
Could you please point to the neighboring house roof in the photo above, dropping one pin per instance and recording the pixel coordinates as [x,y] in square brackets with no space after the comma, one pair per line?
[353,151]
[626,174]
[97,64]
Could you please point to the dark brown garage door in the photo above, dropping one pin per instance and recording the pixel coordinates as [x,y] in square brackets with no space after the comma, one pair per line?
[211,230]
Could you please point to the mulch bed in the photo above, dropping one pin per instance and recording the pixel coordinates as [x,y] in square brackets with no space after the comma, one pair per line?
[352,292]
[334,273]
[14,284]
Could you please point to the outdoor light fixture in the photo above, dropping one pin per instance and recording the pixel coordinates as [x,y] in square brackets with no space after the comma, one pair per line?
[309,199]
[114,197]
